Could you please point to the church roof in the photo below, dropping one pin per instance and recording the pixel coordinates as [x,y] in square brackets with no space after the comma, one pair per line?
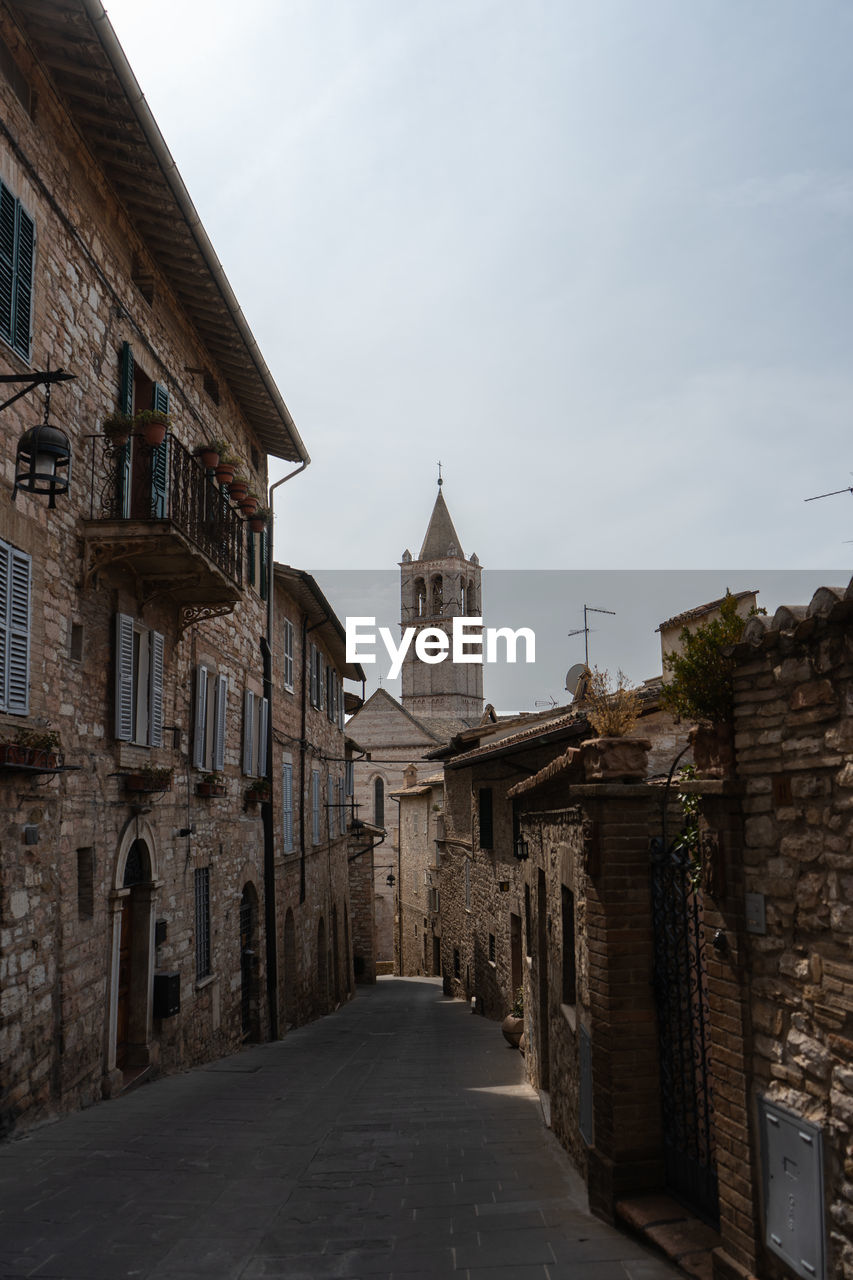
[441,539]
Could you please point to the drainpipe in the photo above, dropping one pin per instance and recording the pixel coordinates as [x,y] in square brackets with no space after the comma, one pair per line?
[267,813]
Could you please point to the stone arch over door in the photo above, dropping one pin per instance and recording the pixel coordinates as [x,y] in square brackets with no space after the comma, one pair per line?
[130,1044]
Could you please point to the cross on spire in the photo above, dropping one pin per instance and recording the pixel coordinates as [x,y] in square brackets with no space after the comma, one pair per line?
[440,481]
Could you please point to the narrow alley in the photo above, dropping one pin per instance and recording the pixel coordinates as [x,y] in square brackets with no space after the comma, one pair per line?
[396,1138]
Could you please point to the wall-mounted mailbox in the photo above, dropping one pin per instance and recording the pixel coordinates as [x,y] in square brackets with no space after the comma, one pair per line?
[792,1153]
[167,994]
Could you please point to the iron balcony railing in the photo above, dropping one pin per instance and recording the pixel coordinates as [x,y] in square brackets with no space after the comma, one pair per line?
[140,483]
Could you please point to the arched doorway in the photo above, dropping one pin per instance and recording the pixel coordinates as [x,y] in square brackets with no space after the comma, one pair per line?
[322,966]
[290,970]
[249,964]
[130,1046]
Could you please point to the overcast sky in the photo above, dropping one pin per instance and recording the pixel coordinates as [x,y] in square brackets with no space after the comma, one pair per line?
[595,255]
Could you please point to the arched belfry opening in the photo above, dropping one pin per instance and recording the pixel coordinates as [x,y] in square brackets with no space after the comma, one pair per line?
[131,1046]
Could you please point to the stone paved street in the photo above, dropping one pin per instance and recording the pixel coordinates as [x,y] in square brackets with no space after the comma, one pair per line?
[394,1139]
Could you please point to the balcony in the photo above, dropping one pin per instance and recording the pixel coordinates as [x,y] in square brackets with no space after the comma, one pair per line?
[156,517]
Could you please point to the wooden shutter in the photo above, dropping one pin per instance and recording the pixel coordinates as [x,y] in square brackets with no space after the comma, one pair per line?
[18,687]
[330,802]
[23,300]
[251,537]
[263,565]
[124,678]
[7,260]
[125,404]
[313,673]
[219,710]
[263,733]
[287,806]
[315,805]
[248,730]
[155,690]
[200,717]
[160,461]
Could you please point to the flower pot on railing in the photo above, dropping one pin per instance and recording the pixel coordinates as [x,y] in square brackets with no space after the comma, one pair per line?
[225,470]
[15,754]
[149,781]
[258,793]
[210,787]
[238,488]
[117,428]
[151,425]
[259,519]
[208,455]
[248,505]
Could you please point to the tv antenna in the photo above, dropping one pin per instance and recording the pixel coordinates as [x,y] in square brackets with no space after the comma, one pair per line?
[831,494]
[549,702]
[584,630]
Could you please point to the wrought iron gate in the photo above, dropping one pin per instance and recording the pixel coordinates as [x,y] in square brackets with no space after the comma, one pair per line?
[681,992]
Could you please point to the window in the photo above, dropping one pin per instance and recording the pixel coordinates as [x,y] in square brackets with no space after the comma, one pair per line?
[528,936]
[379,803]
[288,655]
[330,801]
[485,809]
[202,922]
[287,805]
[316,677]
[148,499]
[258,551]
[350,778]
[211,704]
[491,948]
[342,802]
[139,683]
[15,598]
[17,258]
[315,806]
[467,884]
[85,883]
[255,730]
[333,694]
[415,830]
[75,642]
[569,972]
[432,899]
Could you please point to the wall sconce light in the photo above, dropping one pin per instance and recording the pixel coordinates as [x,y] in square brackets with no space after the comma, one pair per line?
[43,460]
[389,879]
[521,849]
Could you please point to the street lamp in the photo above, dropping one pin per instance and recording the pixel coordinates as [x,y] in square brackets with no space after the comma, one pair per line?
[43,460]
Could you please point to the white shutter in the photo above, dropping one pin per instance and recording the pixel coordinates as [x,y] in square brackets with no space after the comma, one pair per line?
[219,710]
[248,730]
[5,558]
[263,732]
[200,718]
[330,791]
[124,678]
[155,691]
[315,806]
[287,806]
[314,698]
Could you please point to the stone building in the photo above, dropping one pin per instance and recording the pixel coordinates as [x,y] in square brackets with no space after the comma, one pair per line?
[421,828]
[151,913]
[439,700]
[313,760]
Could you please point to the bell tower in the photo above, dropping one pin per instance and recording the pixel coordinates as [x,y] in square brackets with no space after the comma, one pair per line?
[437,587]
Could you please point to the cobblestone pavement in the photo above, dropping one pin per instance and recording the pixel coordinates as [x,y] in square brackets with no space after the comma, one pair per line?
[394,1139]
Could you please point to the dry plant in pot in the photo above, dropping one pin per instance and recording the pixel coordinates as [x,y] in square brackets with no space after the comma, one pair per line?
[613,708]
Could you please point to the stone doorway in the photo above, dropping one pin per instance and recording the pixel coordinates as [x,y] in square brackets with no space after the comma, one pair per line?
[249,1010]
[130,1048]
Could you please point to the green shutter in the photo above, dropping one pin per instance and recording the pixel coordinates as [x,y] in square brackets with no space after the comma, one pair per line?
[7,260]
[160,461]
[251,557]
[125,404]
[264,545]
[23,304]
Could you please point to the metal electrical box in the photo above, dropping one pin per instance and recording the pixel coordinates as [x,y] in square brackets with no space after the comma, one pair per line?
[792,1154]
[167,994]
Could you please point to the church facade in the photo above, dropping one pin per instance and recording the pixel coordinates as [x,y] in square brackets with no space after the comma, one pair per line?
[438,701]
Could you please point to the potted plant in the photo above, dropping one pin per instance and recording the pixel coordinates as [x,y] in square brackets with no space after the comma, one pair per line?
[513,1024]
[208,454]
[700,687]
[117,427]
[613,708]
[149,779]
[258,792]
[226,466]
[210,784]
[249,504]
[259,519]
[39,747]
[239,487]
[152,424]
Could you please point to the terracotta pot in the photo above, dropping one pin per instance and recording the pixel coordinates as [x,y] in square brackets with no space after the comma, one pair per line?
[225,472]
[615,759]
[713,750]
[117,436]
[513,1030]
[238,490]
[209,458]
[248,506]
[154,433]
[210,789]
[256,525]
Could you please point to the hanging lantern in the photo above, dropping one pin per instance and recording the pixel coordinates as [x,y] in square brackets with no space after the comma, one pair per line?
[43,462]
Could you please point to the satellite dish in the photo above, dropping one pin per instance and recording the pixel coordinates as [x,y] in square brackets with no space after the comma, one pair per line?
[575,678]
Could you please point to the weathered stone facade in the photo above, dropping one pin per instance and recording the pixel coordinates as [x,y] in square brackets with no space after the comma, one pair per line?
[140,930]
[421,820]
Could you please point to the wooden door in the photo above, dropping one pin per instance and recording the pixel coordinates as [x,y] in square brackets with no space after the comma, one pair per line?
[124,965]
